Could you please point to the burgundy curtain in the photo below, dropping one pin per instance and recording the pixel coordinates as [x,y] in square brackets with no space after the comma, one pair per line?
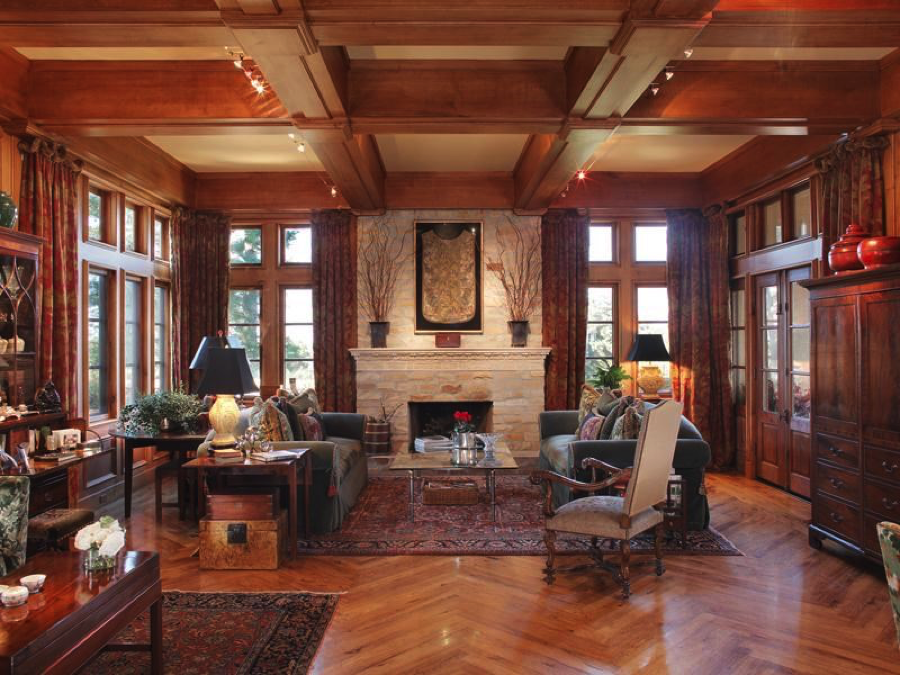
[852,187]
[200,266]
[47,209]
[699,329]
[334,298]
[564,270]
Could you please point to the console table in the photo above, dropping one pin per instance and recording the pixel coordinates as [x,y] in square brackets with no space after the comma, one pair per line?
[77,614]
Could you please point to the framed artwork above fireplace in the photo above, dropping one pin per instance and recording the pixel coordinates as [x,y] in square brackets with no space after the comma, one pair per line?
[449,277]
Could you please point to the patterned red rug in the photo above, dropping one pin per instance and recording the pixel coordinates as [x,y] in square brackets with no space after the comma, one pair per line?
[379,525]
[228,633]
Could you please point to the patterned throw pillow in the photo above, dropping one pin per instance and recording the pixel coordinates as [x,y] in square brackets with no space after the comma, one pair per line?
[590,430]
[306,403]
[614,414]
[628,426]
[291,413]
[589,398]
[273,424]
[312,428]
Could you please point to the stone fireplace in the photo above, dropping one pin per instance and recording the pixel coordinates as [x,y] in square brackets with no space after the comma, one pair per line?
[429,418]
[510,380]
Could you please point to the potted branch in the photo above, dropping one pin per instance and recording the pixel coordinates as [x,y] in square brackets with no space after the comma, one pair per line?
[518,268]
[378,431]
[382,255]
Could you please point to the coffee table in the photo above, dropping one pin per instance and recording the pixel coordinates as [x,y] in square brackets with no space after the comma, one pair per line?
[416,464]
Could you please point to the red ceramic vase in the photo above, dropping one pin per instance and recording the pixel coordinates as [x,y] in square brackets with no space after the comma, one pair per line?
[879,251]
[842,255]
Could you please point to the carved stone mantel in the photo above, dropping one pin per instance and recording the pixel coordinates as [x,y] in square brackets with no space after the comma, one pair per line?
[456,359]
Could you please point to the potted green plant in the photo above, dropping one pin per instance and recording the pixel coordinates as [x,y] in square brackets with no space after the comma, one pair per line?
[174,410]
[610,378]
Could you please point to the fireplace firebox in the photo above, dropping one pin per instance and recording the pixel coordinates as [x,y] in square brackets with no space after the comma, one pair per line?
[431,418]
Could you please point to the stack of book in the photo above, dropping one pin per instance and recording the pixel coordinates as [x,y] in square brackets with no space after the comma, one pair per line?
[227,455]
[433,444]
[273,455]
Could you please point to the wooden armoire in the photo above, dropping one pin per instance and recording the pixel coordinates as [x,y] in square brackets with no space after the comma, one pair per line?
[855,480]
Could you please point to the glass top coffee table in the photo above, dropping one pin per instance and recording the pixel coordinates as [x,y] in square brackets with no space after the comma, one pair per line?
[416,464]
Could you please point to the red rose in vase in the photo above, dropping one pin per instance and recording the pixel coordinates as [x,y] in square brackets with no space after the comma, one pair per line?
[463,422]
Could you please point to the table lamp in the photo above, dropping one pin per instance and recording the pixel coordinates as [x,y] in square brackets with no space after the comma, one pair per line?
[227,374]
[217,341]
[649,347]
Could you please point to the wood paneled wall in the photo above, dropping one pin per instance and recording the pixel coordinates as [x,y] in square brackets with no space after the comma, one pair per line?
[10,165]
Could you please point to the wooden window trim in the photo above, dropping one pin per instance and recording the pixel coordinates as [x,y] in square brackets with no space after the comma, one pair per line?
[112,342]
[165,257]
[107,215]
[141,213]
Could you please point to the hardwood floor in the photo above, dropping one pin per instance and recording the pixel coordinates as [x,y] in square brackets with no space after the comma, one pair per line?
[782,608]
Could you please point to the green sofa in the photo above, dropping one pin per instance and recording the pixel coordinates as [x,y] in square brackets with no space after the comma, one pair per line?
[339,462]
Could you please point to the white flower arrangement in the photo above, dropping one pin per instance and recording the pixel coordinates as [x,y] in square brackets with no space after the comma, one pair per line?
[106,536]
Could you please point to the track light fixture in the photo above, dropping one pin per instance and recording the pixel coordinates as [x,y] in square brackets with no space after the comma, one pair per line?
[334,191]
[299,142]
[245,64]
[688,52]
[654,88]
[581,175]
[669,73]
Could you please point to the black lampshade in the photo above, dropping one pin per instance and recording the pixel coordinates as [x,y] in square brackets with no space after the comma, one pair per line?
[227,372]
[211,342]
[649,347]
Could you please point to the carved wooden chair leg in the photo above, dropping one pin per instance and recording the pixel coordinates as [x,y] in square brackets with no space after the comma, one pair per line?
[624,570]
[660,533]
[549,569]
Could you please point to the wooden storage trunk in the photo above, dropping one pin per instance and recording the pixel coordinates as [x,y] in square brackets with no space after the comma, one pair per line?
[456,493]
[249,537]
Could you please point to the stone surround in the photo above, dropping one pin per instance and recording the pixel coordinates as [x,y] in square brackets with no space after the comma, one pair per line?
[512,378]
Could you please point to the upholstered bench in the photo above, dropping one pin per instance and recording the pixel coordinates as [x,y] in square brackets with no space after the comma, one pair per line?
[52,528]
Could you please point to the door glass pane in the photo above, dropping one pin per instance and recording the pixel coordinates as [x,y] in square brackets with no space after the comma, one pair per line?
[799,304]
[600,247]
[802,212]
[770,305]
[800,396]
[770,349]
[739,234]
[738,340]
[800,349]
[739,386]
[737,308]
[770,391]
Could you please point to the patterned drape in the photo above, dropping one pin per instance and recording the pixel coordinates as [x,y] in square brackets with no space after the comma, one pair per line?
[852,187]
[200,267]
[335,308]
[699,329]
[47,209]
[564,275]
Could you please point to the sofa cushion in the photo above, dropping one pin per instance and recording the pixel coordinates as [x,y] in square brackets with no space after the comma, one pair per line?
[305,402]
[556,450]
[312,428]
[272,423]
[590,428]
[610,422]
[628,426]
[589,398]
[599,516]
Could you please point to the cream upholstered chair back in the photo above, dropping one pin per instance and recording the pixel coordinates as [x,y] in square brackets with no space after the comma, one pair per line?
[653,458]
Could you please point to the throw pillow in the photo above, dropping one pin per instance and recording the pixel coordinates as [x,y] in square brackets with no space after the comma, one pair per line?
[590,430]
[607,405]
[291,413]
[614,414]
[312,428]
[306,403]
[628,426]
[273,425]
[589,398]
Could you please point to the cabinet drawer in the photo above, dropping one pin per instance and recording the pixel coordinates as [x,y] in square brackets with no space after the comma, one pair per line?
[52,494]
[837,450]
[883,500]
[837,516]
[870,534]
[838,482]
[882,464]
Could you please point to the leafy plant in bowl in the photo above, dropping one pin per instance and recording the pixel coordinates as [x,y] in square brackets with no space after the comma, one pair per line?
[611,377]
[152,413]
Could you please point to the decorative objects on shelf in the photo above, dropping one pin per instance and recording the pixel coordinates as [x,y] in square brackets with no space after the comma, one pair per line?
[843,256]
[649,347]
[174,410]
[227,374]
[382,256]
[518,268]
[102,541]
[878,252]
[9,212]
[19,318]
[13,596]
[47,399]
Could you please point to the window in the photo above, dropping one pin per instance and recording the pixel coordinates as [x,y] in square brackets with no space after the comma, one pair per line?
[800,329]
[739,233]
[246,246]
[298,337]
[97,205]
[801,210]
[601,244]
[98,344]
[653,317]
[243,321]
[133,340]
[601,330]
[296,245]
[738,347]
[130,235]
[160,338]
[161,238]
[650,243]
[772,229]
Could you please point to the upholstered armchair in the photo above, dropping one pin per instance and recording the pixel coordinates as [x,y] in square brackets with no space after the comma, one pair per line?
[613,517]
[13,522]
[889,537]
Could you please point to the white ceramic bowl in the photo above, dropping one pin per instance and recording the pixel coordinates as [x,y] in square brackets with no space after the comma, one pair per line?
[14,596]
[34,582]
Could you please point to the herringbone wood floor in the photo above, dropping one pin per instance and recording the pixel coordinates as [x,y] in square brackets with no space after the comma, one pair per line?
[783,608]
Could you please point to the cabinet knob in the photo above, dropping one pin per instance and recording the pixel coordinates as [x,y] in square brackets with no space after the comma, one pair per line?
[889,504]
[836,517]
[836,482]
[837,452]
[888,468]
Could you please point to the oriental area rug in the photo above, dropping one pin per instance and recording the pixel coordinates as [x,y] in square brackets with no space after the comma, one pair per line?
[228,633]
[379,525]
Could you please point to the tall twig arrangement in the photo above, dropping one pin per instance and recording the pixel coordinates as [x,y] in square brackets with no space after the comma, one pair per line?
[382,255]
[518,267]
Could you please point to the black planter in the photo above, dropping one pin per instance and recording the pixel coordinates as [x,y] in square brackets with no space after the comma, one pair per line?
[519,330]
[378,331]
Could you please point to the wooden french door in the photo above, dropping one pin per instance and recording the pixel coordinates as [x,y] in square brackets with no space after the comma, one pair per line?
[782,396]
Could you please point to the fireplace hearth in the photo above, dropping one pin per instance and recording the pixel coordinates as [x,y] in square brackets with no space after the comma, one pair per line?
[430,418]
